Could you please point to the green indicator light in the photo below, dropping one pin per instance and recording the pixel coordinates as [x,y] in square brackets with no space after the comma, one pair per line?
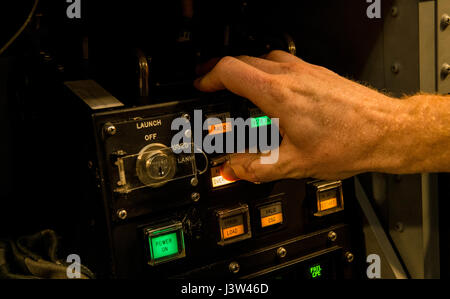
[165,245]
[260,121]
[315,271]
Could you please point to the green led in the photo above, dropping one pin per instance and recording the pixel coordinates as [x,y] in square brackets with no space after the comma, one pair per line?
[260,121]
[315,271]
[164,245]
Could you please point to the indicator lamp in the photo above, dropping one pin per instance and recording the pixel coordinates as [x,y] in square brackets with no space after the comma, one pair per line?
[217,178]
[328,197]
[260,121]
[233,224]
[165,243]
[315,271]
[271,214]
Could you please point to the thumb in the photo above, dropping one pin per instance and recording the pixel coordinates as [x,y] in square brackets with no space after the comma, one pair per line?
[251,167]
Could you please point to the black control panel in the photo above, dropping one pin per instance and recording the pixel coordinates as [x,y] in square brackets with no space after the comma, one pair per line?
[167,213]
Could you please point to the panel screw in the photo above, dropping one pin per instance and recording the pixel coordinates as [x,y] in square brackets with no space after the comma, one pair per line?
[281,252]
[349,256]
[47,57]
[395,68]
[445,21]
[195,196]
[188,133]
[110,129]
[332,236]
[194,182]
[394,11]
[122,214]
[445,70]
[399,227]
[234,267]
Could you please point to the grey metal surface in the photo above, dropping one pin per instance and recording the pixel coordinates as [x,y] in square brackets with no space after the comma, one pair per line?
[430,226]
[427,46]
[401,48]
[408,204]
[404,196]
[383,242]
[95,96]
[433,52]
[443,46]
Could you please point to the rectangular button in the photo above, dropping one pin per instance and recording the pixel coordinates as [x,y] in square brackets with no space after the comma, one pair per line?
[234,224]
[217,179]
[260,121]
[233,231]
[328,197]
[219,128]
[166,242]
[271,214]
[218,124]
[328,204]
[271,220]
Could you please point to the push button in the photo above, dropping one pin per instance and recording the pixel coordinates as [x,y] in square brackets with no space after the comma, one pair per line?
[165,243]
[234,225]
[217,180]
[271,214]
[328,197]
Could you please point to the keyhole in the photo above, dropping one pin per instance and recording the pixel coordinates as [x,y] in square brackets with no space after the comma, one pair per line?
[161,171]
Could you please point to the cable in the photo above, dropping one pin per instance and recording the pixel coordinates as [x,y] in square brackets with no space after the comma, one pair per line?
[27,21]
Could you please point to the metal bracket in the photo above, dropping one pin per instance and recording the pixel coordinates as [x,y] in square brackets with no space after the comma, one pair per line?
[379,232]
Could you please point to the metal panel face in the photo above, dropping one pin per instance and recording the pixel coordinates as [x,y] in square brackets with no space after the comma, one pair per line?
[443,45]
[401,48]
[405,220]
[427,51]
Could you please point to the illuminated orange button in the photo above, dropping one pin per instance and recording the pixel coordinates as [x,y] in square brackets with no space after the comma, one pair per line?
[328,204]
[219,128]
[220,181]
[233,231]
[271,220]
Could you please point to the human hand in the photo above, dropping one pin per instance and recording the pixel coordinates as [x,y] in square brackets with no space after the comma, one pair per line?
[332,127]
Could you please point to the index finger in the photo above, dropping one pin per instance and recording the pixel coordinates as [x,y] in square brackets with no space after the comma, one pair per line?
[244,80]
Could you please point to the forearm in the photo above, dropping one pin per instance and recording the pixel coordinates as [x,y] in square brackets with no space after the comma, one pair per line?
[417,137]
[333,128]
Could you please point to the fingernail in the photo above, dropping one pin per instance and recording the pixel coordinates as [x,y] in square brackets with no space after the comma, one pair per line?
[227,172]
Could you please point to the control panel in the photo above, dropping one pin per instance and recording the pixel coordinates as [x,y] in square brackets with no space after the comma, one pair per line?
[168,211]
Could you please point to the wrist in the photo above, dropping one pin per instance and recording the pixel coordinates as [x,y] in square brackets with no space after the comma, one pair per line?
[388,139]
[411,140]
